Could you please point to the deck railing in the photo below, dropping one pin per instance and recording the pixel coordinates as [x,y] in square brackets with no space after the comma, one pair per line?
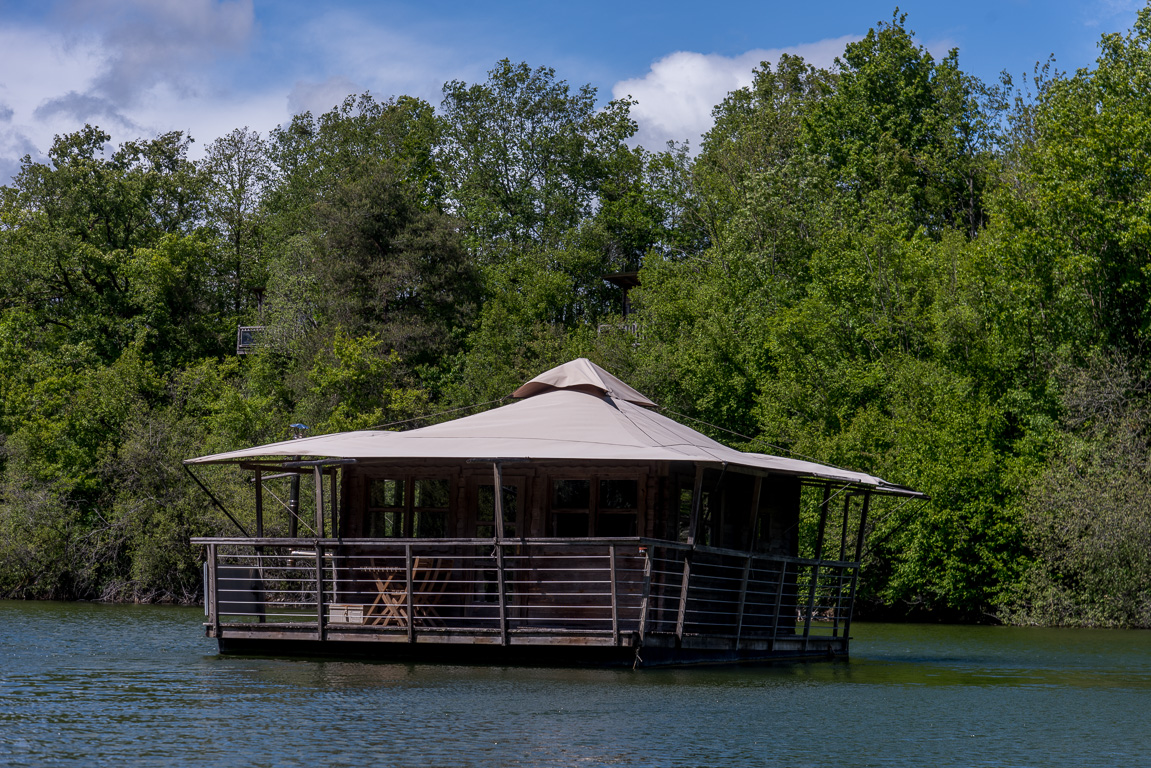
[612,589]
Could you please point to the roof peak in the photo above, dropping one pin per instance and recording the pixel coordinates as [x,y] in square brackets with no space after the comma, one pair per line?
[582,374]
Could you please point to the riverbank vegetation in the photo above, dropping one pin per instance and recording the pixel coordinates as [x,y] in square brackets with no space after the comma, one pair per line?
[890,266]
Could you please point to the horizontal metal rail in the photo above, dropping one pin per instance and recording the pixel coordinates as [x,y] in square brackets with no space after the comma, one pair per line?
[625,589]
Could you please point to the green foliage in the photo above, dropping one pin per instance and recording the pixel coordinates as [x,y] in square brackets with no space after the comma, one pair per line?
[1088,514]
[889,266]
[356,387]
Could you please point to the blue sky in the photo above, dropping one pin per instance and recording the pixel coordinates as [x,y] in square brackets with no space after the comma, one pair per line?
[141,67]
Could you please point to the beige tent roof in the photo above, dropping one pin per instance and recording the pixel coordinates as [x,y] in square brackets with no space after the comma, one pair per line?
[577,411]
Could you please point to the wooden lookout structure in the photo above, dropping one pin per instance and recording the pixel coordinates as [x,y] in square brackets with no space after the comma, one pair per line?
[577,525]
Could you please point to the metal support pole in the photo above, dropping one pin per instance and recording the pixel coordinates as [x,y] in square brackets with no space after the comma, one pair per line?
[742,600]
[693,530]
[614,604]
[294,504]
[815,568]
[753,518]
[855,570]
[263,617]
[335,505]
[685,583]
[842,558]
[498,499]
[779,602]
[410,601]
[503,593]
[843,530]
[319,591]
[318,481]
[646,594]
[214,586]
[259,504]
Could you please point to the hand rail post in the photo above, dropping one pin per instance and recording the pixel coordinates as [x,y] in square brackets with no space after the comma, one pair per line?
[778,603]
[319,590]
[614,603]
[213,580]
[815,568]
[856,569]
[646,594]
[410,600]
[742,599]
[503,592]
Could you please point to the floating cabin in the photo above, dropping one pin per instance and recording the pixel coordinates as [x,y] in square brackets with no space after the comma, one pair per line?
[618,537]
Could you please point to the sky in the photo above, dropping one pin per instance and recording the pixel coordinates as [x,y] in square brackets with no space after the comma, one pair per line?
[138,68]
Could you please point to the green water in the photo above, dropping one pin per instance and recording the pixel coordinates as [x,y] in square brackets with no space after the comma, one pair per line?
[84,684]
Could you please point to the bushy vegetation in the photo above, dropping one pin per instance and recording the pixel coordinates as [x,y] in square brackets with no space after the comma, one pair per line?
[888,265]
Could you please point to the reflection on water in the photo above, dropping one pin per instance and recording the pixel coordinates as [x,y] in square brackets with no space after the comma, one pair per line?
[84,684]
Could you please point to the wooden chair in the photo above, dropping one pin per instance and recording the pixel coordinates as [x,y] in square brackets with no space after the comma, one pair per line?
[390,606]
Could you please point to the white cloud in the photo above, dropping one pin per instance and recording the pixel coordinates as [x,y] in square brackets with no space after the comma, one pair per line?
[676,96]
[136,68]
[319,98]
[1106,11]
[380,58]
[147,42]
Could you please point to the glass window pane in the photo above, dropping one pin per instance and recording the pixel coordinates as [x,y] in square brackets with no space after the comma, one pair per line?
[571,524]
[616,525]
[683,521]
[618,494]
[486,514]
[386,493]
[382,524]
[485,508]
[430,523]
[431,493]
[571,494]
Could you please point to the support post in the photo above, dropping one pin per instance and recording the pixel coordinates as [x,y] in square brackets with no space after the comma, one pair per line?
[742,599]
[778,602]
[263,617]
[498,499]
[693,529]
[815,568]
[843,530]
[259,504]
[614,603]
[213,577]
[858,565]
[319,591]
[753,518]
[503,593]
[294,504]
[842,558]
[318,480]
[334,492]
[645,595]
[410,601]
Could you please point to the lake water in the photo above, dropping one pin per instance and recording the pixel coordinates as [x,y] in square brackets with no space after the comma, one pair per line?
[85,684]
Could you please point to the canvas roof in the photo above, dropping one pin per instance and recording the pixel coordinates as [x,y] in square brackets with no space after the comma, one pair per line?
[577,411]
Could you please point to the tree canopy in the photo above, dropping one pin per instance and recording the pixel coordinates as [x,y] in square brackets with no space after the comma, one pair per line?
[887,264]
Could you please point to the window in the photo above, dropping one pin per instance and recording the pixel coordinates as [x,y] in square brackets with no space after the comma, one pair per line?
[417,507]
[430,503]
[594,506]
[571,508]
[385,513]
[618,508]
[486,511]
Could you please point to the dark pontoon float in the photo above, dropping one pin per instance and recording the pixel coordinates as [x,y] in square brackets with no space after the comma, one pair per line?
[618,536]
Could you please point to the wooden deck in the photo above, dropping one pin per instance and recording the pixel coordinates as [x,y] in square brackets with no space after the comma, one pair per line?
[633,601]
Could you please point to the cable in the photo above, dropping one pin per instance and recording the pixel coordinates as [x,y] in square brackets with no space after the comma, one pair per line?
[745,437]
[439,413]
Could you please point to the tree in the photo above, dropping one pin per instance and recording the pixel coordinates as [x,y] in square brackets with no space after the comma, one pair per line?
[238,171]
